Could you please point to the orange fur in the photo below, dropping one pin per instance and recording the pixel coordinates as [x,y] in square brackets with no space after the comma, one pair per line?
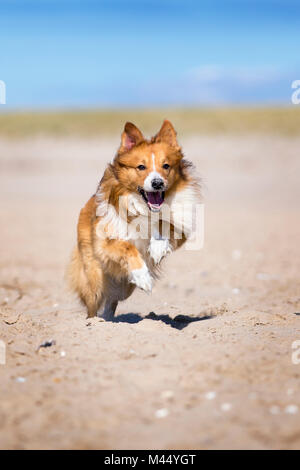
[104,270]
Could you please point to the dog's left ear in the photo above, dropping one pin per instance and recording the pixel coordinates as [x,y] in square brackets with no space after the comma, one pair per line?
[131,136]
[167,134]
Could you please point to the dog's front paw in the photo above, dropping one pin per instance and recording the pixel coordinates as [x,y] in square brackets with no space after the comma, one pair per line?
[159,248]
[141,278]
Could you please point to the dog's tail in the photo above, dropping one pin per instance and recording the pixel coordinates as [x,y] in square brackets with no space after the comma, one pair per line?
[84,273]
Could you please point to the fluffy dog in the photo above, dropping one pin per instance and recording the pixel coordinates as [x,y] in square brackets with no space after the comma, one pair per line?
[134,220]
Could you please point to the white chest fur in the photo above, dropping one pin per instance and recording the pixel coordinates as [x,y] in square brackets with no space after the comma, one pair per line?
[143,230]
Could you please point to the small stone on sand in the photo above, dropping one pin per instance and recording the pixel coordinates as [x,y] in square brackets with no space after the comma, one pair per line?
[47,344]
[291,409]
[226,406]
[20,380]
[210,395]
[167,394]
[161,413]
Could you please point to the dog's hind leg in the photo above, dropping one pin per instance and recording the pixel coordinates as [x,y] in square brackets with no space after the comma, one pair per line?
[107,309]
[115,291]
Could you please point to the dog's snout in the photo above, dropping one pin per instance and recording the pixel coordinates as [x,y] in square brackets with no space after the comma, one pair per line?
[157,183]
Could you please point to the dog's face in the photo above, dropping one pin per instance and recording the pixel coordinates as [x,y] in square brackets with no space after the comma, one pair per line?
[149,168]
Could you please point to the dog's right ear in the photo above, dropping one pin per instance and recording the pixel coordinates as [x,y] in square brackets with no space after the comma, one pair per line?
[167,134]
[131,136]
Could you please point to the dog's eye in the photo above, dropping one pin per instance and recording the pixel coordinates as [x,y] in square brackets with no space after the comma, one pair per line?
[141,167]
[166,166]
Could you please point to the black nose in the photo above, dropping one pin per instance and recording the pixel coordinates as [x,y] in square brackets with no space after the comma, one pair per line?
[157,183]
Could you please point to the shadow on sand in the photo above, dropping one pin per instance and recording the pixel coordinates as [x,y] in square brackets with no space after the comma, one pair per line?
[179,322]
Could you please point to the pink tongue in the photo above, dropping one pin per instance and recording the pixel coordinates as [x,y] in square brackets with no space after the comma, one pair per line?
[155,198]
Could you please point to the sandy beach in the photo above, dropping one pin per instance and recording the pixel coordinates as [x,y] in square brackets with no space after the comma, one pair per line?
[204,362]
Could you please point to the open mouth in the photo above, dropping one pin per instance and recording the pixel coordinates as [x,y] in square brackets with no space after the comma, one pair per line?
[153,199]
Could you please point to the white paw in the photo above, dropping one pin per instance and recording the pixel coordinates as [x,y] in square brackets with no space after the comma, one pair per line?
[159,248]
[141,278]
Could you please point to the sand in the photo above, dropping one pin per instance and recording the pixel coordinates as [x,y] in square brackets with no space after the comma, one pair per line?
[204,362]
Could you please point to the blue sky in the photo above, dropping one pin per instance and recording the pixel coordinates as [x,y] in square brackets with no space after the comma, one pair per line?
[112,53]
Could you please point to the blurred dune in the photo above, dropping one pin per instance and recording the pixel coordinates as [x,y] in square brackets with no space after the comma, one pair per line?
[285,121]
